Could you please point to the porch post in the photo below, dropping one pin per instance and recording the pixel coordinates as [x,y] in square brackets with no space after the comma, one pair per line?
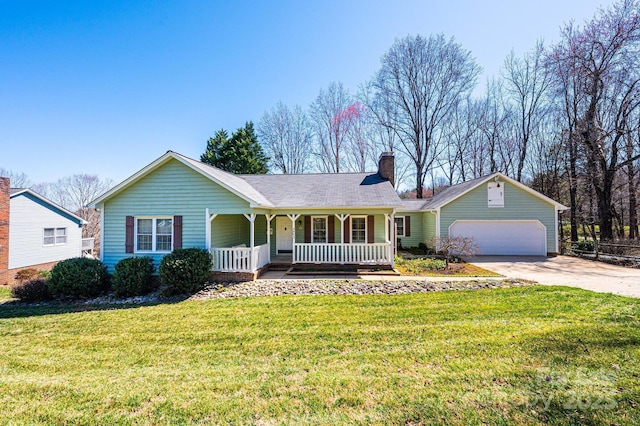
[392,250]
[386,228]
[269,217]
[252,219]
[207,229]
[293,218]
[342,218]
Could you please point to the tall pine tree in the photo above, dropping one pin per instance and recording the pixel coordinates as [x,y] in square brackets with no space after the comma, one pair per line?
[240,154]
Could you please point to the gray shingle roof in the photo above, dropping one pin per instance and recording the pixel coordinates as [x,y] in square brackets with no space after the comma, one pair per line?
[235,182]
[414,205]
[287,191]
[325,190]
[453,192]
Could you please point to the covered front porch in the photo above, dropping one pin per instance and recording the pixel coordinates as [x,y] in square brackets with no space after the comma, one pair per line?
[247,242]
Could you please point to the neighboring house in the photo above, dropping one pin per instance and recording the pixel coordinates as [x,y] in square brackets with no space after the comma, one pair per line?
[249,221]
[34,232]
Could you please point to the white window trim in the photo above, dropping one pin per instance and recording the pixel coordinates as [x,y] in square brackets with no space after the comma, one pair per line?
[326,229]
[404,224]
[55,243]
[153,234]
[366,230]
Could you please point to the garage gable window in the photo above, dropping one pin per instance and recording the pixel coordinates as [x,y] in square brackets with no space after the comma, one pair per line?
[496,194]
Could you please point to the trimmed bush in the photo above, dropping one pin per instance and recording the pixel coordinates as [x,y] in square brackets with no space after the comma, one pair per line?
[185,270]
[34,290]
[26,274]
[78,277]
[133,276]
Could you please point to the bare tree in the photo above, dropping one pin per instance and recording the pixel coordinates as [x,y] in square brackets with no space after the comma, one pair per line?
[17,179]
[331,126]
[74,193]
[527,83]
[287,138]
[602,58]
[422,79]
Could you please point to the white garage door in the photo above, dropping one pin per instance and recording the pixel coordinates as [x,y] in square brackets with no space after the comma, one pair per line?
[504,237]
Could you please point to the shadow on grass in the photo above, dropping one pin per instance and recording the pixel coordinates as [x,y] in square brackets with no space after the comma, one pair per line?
[18,309]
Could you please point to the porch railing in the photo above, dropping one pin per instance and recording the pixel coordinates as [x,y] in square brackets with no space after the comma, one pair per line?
[375,253]
[239,259]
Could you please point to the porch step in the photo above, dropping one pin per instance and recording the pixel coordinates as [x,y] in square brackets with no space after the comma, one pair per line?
[279,266]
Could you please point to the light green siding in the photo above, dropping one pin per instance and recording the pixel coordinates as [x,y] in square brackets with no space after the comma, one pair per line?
[429,228]
[518,205]
[416,229]
[170,190]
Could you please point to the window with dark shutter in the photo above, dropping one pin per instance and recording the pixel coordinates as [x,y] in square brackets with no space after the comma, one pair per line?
[177,232]
[347,231]
[331,229]
[128,240]
[407,226]
[370,230]
[307,229]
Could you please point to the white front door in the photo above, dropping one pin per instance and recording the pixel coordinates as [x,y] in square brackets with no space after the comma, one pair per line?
[284,235]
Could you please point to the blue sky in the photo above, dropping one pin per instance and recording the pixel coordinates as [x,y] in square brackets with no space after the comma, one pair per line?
[105,87]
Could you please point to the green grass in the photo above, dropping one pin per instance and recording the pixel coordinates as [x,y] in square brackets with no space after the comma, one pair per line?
[5,292]
[520,355]
[431,267]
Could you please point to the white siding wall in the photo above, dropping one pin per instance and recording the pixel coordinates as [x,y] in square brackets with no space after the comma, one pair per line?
[28,218]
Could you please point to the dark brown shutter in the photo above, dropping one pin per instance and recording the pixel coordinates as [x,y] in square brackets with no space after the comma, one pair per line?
[370,231]
[347,230]
[128,239]
[307,229]
[407,226]
[177,232]
[331,229]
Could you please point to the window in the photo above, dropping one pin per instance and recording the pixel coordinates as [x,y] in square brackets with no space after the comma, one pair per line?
[54,236]
[495,194]
[358,229]
[154,234]
[319,229]
[400,226]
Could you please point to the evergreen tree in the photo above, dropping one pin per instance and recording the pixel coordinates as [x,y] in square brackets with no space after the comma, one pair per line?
[240,154]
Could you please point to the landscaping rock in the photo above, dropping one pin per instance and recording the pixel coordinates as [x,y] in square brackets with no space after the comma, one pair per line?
[344,287]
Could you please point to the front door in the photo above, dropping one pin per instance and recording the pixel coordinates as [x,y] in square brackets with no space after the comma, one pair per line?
[284,235]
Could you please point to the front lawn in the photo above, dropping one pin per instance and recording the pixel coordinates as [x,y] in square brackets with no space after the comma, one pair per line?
[521,355]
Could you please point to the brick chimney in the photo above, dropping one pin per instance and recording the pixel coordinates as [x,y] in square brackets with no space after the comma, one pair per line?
[5,194]
[386,167]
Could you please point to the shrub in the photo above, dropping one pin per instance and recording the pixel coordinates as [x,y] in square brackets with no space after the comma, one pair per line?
[34,290]
[185,270]
[44,274]
[583,246]
[78,277]
[133,276]
[26,274]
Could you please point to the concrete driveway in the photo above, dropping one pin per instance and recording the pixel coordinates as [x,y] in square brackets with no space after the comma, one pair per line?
[566,270]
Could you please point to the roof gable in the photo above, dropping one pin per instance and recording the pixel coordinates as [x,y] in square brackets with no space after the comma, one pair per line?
[456,191]
[45,202]
[230,182]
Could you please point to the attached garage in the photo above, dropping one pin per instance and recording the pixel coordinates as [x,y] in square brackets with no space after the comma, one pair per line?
[504,237]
